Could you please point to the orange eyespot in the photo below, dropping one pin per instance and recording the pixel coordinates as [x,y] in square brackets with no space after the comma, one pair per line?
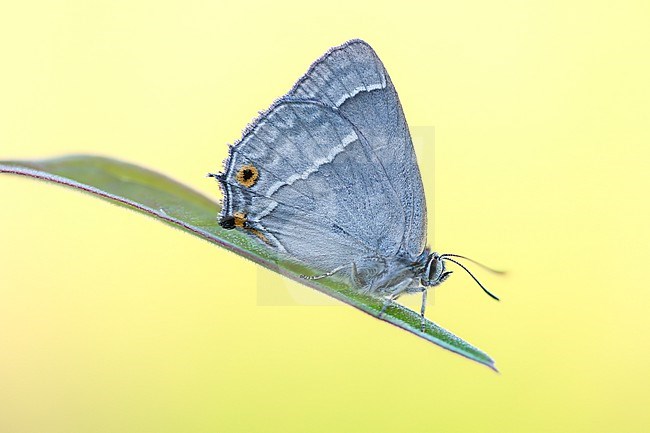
[247,175]
[240,219]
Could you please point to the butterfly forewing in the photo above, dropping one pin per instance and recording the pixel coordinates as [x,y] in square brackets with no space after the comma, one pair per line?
[353,79]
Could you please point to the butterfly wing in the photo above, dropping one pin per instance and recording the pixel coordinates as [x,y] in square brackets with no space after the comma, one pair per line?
[352,79]
[304,180]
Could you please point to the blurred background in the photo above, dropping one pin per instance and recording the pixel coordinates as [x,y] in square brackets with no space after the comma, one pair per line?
[111,321]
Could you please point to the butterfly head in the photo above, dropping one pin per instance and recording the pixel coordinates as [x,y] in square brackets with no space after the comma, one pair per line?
[434,271]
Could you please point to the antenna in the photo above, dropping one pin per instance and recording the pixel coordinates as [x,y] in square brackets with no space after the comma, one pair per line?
[470,274]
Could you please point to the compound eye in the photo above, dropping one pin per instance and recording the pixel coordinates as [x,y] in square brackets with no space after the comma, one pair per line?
[432,268]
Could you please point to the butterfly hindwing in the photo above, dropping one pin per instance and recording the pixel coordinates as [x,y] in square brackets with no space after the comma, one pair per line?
[304,180]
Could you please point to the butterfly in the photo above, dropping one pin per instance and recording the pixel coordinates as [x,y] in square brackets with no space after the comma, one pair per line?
[328,177]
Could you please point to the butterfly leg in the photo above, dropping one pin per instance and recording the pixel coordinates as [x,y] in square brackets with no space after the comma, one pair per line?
[325,275]
[395,293]
[356,278]
[388,300]
[422,308]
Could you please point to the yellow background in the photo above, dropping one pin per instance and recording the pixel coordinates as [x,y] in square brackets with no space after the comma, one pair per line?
[112,322]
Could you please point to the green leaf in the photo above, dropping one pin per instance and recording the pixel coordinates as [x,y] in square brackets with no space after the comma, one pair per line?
[175,204]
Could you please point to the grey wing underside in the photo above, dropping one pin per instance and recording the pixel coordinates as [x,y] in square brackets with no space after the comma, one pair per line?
[352,79]
[338,177]
[320,196]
